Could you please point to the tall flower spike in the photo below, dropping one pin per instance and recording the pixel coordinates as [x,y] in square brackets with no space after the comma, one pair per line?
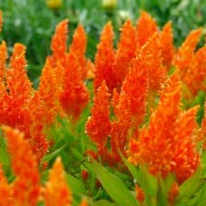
[196,73]
[98,124]
[168,49]
[104,59]
[146,27]
[3,57]
[25,189]
[74,95]
[18,84]
[56,191]
[152,56]
[78,47]
[49,91]
[158,139]
[4,190]
[130,105]
[185,156]
[126,51]
[59,43]
[185,53]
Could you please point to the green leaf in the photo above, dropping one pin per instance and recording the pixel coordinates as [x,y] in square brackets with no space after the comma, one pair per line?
[146,181]
[53,154]
[114,186]
[190,186]
[4,157]
[103,203]
[76,185]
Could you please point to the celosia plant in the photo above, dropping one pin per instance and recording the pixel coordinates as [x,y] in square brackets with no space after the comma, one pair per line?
[127,127]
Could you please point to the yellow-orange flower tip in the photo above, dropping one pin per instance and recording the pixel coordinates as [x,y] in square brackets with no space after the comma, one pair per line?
[56,191]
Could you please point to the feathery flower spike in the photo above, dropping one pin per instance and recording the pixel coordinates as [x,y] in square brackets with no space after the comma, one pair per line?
[185,53]
[104,59]
[59,43]
[126,51]
[4,190]
[98,124]
[168,49]
[3,57]
[56,191]
[25,189]
[74,95]
[146,27]
[78,48]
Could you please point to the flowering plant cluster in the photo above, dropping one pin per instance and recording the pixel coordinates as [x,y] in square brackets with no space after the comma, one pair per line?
[125,129]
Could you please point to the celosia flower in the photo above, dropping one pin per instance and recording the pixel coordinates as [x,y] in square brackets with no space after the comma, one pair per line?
[98,124]
[59,43]
[129,105]
[152,57]
[126,51]
[184,55]
[25,189]
[167,47]
[140,196]
[49,91]
[104,59]
[56,191]
[146,27]
[196,73]
[17,103]
[74,95]
[167,144]
[4,190]
[173,193]
[78,48]
[3,57]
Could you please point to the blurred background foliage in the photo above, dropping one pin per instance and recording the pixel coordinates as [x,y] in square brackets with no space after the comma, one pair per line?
[33,22]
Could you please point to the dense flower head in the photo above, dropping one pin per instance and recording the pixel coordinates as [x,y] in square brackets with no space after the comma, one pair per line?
[74,95]
[59,43]
[167,46]
[104,59]
[126,51]
[169,137]
[98,125]
[3,57]
[25,189]
[78,48]
[56,191]
[152,55]
[146,27]
[185,52]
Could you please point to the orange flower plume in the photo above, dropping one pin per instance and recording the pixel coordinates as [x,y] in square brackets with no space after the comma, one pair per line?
[74,95]
[59,43]
[4,190]
[16,103]
[160,146]
[78,48]
[98,125]
[56,191]
[146,27]
[104,59]
[25,189]
[196,73]
[185,53]
[49,91]
[152,55]
[126,51]
[3,57]
[129,105]
[168,49]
